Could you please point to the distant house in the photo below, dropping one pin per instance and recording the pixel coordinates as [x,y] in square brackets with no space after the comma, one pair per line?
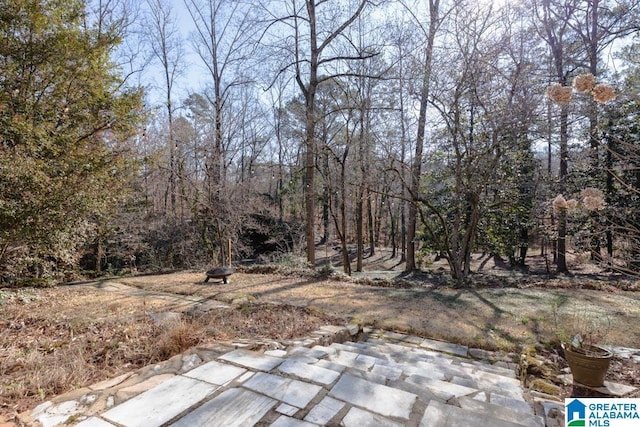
[576,410]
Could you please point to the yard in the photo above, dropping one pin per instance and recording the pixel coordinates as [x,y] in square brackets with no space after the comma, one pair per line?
[53,340]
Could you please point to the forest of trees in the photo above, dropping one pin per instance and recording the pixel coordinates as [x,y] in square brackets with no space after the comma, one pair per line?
[274,127]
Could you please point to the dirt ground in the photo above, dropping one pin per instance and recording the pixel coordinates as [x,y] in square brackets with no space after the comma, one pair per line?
[57,339]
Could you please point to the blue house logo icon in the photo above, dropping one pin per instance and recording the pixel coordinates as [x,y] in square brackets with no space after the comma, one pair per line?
[576,413]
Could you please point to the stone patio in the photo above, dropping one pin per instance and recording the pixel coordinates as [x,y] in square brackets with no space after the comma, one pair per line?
[386,379]
[338,376]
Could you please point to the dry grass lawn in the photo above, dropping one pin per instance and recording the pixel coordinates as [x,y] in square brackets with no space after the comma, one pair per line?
[492,318]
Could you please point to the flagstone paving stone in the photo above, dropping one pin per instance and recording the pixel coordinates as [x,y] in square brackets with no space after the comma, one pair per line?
[234,407]
[464,382]
[377,398]
[128,392]
[293,392]
[346,347]
[427,370]
[445,347]
[313,373]
[490,368]
[324,411]
[358,418]
[94,422]
[423,393]
[364,362]
[276,353]
[216,373]
[393,336]
[442,415]
[501,412]
[444,390]
[388,372]
[330,365]
[52,415]
[509,402]
[367,376]
[284,421]
[161,403]
[316,352]
[253,360]
[286,409]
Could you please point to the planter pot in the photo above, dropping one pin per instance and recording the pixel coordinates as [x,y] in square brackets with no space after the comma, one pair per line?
[588,365]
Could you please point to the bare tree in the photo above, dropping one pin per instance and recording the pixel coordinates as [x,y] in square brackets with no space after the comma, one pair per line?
[308,33]
[166,45]
[475,94]
[552,19]
[223,41]
[402,39]
[416,168]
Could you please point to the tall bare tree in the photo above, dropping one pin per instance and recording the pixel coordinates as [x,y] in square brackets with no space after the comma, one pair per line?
[308,32]
[552,20]
[166,45]
[478,95]
[430,32]
[223,41]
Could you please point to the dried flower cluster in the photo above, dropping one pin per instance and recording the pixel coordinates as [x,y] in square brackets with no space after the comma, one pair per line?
[584,83]
[560,203]
[603,93]
[592,200]
[559,94]
[591,192]
[572,204]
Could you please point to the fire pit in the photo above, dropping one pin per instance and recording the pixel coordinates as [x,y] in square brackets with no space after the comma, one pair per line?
[220,273]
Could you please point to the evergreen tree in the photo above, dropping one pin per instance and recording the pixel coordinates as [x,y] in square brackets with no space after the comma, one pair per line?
[64,115]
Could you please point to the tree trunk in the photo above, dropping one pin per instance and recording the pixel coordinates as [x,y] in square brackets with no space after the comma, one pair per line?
[326,194]
[393,231]
[373,226]
[609,193]
[359,230]
[416,168]
[403,232]
[561,263]
[341,225]
[309,186]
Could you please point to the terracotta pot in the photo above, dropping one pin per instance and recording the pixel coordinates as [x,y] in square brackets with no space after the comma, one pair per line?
[588,365]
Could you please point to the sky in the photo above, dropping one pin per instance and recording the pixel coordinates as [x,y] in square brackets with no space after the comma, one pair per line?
[194,76]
